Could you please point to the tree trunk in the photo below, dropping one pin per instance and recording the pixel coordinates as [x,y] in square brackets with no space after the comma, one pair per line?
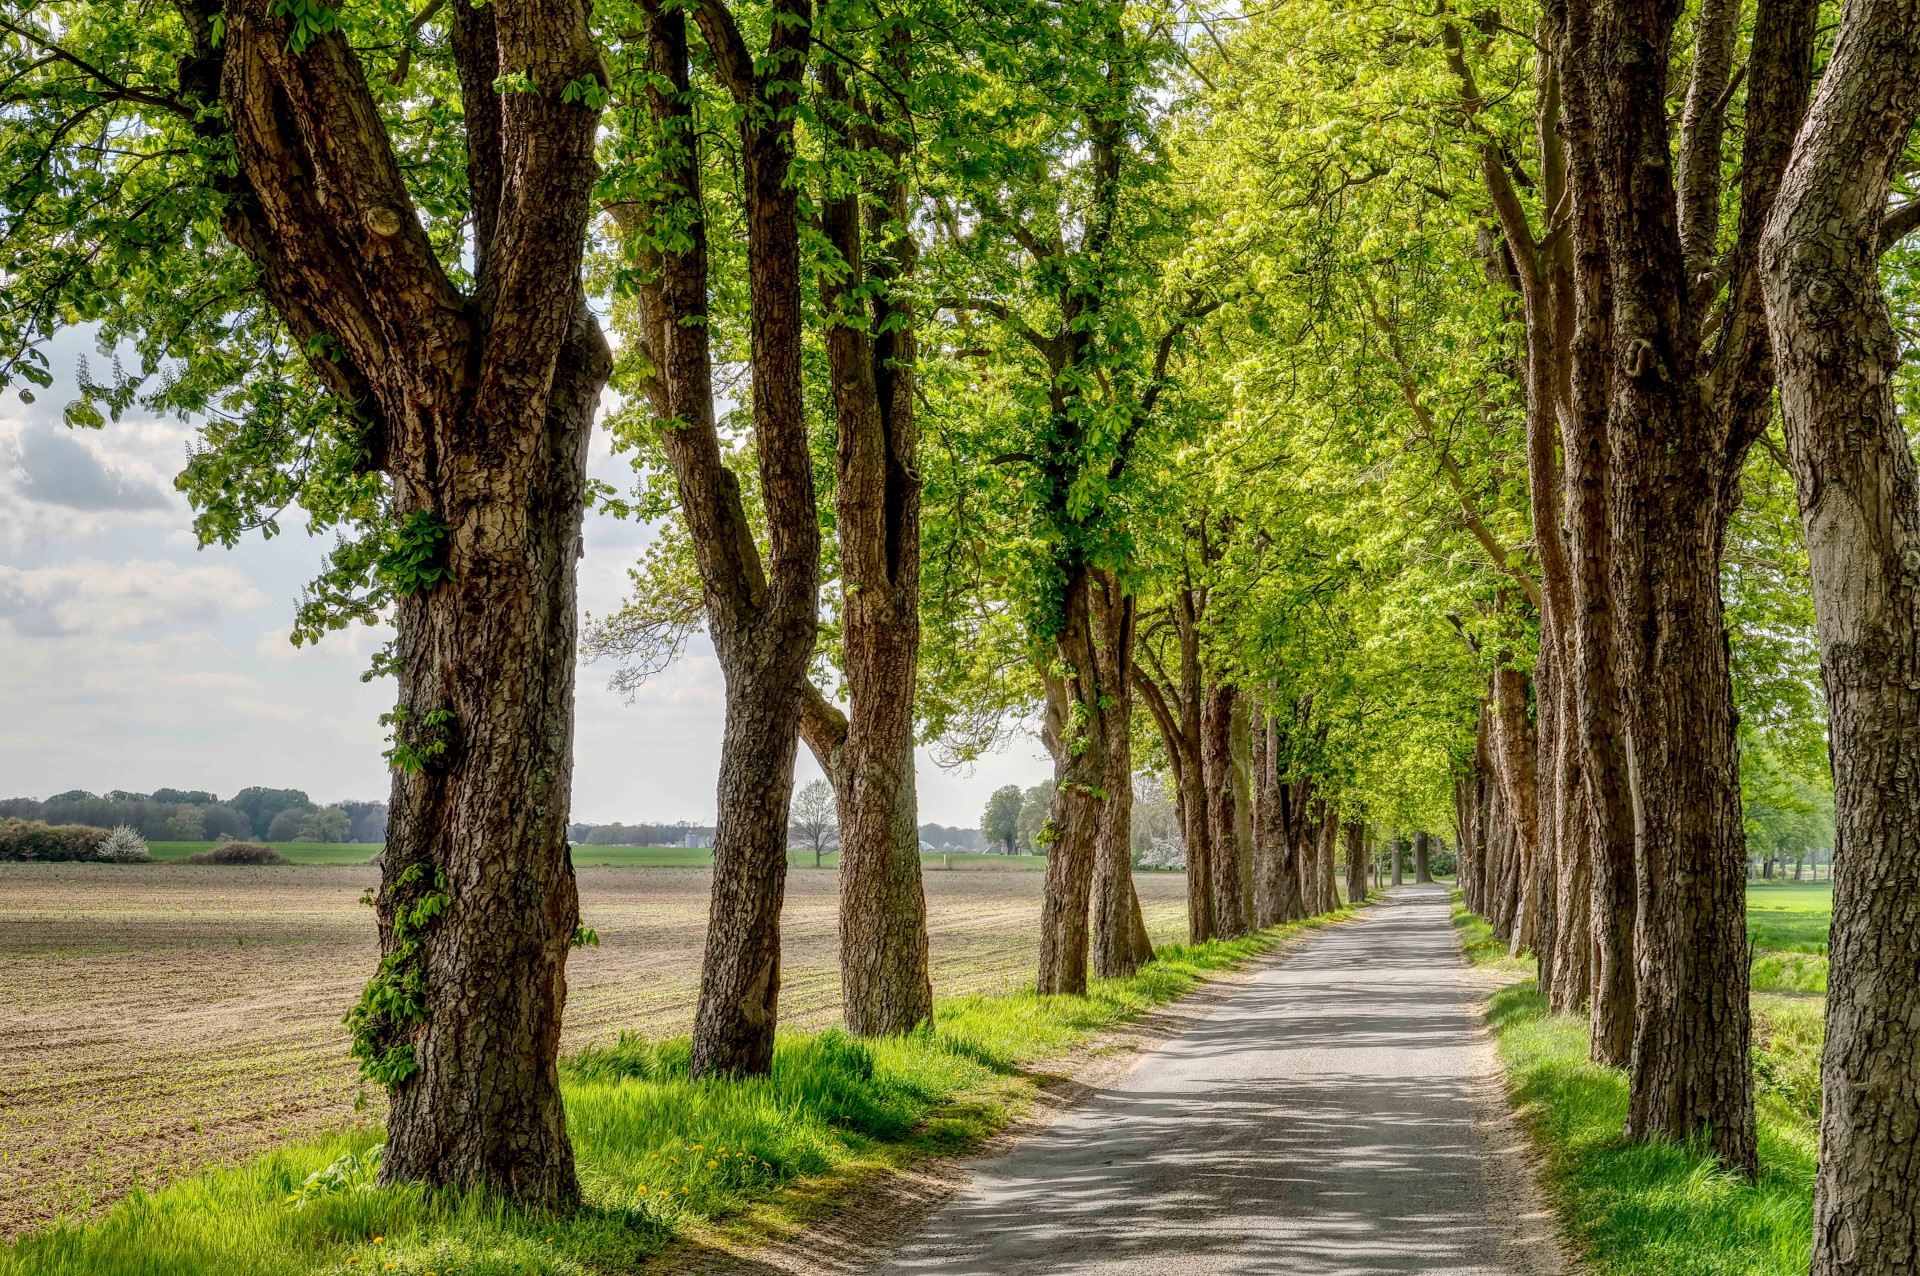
[1513,753]
[1120,945]
[1838,355]
[871,350]
[1240,753]
[480,408]
[1176,709]
[1327,861]
[762,620]
[1356,863]
[1422,869]
[1542,884]
[1230,918]
[1096,629]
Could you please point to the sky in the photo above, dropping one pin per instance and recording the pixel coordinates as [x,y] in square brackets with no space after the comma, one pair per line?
[130,658]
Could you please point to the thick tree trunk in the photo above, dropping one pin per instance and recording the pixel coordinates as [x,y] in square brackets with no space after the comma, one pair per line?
[1095,634]
[1120,945]
[1230,918]
[475,1112]
[1327,861]
[1838,355]
[1356,863]
[1542,881]
[1269,829]
[1689,382]
[1176,707]
[1422,868]
[1600,727]
[1241,753]
[762,620]
[871,350]
[1573,878]
[1513,752]
[481,408]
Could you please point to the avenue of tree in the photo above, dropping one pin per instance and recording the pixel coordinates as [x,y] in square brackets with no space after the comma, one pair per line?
[1364,419]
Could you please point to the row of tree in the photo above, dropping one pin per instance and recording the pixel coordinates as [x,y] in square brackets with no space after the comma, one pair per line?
[1340,413]
[184,815]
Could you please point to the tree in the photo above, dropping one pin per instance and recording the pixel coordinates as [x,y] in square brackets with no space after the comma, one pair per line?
[1034,805]
[1838,357]
[405,349]
[287,825]
[329,824]
[814,818]
[1001,820]
[260,806]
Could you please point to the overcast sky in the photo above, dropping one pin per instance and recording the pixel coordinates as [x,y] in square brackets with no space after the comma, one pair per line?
[131,659]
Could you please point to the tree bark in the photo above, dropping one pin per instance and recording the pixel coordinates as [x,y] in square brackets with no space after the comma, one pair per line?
[762,620]
[1854,472]
[481,407]
[1230,917]
[1327,860]
[871,351]
[1422,869]
[1274,883]
[1240,753]
[1176,700]
[1356,863]
[1095,635]
[1120,944]
[1689,388]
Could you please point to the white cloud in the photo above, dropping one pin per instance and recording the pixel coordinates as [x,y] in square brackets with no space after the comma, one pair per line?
[130,598]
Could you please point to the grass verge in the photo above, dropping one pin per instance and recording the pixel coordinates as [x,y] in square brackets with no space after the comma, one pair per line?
[1659,1208]
[660,1156]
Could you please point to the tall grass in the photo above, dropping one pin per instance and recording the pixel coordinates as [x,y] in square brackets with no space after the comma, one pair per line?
[660,1155]
[1659,1208]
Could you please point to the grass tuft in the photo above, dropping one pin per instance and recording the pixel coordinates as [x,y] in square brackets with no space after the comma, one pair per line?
[661,1156]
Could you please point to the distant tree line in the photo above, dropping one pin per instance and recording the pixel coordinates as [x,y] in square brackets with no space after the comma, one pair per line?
[618,834]
[192,815]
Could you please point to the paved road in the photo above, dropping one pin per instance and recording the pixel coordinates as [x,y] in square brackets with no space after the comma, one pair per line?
[1327,1120]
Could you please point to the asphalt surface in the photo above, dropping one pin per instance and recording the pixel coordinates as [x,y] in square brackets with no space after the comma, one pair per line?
[1330,1119]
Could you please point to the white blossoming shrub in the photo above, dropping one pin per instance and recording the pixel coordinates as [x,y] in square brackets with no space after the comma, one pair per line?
[123,846]
[1166,852]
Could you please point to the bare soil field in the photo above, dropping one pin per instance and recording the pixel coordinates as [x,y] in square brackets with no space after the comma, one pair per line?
[162,1018]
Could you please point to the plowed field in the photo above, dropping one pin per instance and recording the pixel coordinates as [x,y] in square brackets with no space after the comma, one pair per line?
[162,1018]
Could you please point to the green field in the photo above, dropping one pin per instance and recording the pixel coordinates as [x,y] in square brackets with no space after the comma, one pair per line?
[1788,923]
[298,852]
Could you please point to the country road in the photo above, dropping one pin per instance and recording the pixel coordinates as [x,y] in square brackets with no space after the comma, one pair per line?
[1334,1117]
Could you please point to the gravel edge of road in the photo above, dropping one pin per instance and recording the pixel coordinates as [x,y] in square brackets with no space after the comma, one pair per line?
[867,1221]
[1533,1242]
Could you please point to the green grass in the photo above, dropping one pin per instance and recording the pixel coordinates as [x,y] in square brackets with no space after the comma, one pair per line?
[661,1157]
[1788,923]
[1659,1208]
[1790,917]
[298,852]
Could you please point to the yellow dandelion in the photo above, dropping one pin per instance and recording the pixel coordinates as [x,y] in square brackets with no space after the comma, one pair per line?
[713,1165]
[698,1147]
[379,1240]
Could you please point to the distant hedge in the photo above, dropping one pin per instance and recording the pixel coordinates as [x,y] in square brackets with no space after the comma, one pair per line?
[238,853]
[32,840]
